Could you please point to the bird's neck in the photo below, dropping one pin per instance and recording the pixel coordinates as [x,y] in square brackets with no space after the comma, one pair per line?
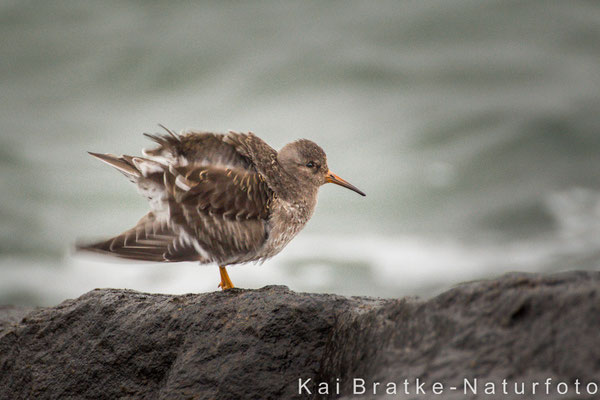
[301,200]
[298,191]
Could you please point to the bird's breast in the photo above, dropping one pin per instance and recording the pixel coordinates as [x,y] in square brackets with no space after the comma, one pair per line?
[287,219]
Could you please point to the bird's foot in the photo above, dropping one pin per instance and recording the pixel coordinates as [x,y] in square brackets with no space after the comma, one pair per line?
[225,281]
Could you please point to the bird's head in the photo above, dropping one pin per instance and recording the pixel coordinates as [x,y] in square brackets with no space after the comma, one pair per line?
[306,161]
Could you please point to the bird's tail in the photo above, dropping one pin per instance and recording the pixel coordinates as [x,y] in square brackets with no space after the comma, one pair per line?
[151,239]
[133,168]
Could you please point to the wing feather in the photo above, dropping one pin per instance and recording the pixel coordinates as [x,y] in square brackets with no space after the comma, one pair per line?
[225,216]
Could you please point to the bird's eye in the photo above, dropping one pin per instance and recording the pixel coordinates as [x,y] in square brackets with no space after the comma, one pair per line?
[310,164]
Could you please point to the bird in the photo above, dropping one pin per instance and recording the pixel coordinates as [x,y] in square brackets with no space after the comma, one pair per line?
[223,198]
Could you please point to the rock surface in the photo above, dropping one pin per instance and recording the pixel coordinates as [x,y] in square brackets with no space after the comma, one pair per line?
[257,344]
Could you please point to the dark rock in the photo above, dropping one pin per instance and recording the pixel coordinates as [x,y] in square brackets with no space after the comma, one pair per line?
[257,344]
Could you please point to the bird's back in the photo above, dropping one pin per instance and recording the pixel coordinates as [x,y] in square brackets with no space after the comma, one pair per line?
[198,148]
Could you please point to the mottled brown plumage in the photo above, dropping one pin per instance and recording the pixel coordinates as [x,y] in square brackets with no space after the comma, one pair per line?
[219,198]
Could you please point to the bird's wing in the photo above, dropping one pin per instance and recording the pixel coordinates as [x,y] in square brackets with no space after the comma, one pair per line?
[230,192]
[199,213]
[208,201]
[225,209]
[197,148]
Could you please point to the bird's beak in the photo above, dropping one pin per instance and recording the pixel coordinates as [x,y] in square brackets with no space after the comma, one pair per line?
[333,178]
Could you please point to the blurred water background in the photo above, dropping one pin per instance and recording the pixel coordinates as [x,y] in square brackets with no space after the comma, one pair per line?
[473,126]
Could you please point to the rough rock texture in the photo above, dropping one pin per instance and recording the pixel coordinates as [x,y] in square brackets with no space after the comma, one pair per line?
[256,344]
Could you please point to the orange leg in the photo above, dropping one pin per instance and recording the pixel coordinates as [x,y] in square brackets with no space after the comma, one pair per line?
[225,281]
